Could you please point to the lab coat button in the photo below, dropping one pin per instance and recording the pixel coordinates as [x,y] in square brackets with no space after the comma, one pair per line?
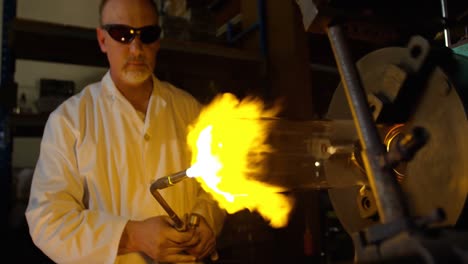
[147,137]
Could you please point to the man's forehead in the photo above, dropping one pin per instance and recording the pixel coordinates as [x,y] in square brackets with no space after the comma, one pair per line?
[122,10]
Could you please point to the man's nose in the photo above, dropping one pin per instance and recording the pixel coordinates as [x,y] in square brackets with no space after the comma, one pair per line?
[136,47]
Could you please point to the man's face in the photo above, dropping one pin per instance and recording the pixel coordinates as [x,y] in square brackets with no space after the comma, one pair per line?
[131,63]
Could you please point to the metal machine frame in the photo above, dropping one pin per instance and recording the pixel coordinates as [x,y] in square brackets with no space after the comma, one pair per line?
[398,237]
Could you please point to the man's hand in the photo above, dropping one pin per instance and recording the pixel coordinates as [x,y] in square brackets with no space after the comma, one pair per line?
[157,238]
[206,241]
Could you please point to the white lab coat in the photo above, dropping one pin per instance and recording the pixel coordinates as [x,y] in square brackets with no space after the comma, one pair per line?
[97,161]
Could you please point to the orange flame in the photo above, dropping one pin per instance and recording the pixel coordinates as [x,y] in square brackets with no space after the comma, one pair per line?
[228,146]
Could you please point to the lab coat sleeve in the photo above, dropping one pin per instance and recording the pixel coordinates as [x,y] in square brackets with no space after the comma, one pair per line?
[59,223]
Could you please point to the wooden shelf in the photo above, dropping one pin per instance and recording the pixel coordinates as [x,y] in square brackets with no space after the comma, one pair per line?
[189,65]
[28,125]
[44,41]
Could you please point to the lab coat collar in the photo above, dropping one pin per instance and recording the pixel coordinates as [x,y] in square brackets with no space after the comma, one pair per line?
[157,101]
[110,91]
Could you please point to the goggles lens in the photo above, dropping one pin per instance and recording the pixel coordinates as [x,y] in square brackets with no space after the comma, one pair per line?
[125,34]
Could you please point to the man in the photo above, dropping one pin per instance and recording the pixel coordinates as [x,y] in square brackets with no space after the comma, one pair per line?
[101,150]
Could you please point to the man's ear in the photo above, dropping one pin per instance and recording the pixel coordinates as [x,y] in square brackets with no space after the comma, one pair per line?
[101,37]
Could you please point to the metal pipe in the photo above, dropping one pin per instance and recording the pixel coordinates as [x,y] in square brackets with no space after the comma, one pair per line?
[384,185]
[448,41]
[178,223]
[165,182]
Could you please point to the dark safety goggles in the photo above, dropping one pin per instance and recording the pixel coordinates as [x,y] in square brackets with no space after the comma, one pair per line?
[125,34]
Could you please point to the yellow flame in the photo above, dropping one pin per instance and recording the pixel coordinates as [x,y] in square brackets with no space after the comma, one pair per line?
[228,143]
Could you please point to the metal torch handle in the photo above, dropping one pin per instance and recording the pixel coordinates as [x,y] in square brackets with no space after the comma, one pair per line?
[178,223]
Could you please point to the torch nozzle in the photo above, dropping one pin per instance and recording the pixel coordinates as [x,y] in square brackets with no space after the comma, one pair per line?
[168,181]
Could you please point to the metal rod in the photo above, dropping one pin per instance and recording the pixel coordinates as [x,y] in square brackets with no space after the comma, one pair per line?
[383,183]
[178,223]
[165,182]
[448,41]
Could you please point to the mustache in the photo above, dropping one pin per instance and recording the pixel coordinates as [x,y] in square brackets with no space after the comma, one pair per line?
[139,59]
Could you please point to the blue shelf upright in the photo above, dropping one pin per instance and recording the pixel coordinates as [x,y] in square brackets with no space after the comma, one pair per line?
[7,101]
